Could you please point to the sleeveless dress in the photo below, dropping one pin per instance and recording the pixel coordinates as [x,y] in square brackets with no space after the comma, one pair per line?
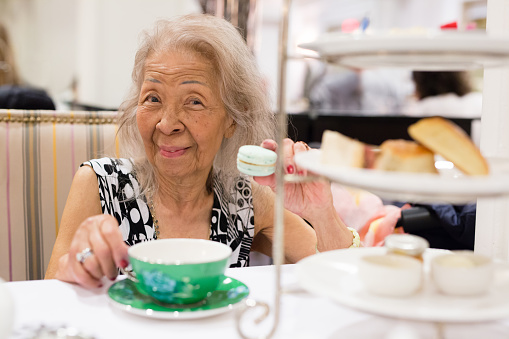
[231,223]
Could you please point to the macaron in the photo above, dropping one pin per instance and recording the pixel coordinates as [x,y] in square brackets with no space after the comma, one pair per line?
[256,160]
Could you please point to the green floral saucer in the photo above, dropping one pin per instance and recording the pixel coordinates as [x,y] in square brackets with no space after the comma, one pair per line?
[124,295]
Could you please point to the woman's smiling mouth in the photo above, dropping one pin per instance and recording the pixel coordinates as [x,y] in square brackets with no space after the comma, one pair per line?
[172,152]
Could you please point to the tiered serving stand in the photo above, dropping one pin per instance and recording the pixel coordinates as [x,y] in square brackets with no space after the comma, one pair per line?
[423,50]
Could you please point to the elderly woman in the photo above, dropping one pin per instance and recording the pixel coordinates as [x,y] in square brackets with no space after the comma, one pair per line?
[197,96]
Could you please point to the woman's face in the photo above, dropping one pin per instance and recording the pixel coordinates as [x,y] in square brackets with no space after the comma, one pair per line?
[180,116]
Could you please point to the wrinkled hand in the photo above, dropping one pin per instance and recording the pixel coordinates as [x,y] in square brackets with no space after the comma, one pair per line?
[101,234]
[300,198]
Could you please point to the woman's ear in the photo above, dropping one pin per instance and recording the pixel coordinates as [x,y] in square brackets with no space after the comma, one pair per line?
[230,130]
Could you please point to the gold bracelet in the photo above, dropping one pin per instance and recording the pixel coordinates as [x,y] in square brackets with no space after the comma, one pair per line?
[355,243]
[356,239]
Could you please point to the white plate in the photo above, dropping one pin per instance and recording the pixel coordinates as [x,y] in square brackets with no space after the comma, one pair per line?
[425,50]
[413,187]
[334,274]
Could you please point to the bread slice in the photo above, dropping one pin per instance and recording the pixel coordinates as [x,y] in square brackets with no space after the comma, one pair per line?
[340,150]
[451,142]
[405,156]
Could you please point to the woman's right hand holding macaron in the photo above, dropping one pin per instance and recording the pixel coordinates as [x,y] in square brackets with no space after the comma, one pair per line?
[311,200]
[299,197]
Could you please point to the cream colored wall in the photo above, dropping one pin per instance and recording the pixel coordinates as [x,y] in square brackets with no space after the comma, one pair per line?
[108,32]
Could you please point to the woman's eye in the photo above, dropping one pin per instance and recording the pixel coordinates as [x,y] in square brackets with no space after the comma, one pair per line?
[195,102]
[152,98]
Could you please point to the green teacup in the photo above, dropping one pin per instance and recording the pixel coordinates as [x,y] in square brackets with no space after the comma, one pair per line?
[178,271]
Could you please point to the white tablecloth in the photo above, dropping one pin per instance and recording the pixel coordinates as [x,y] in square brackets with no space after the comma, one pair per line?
[52,303]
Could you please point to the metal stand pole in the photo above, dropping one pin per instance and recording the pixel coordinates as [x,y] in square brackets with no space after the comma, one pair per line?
[278,240]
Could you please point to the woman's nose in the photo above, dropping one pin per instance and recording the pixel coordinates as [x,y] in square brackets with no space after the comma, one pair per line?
[170,122]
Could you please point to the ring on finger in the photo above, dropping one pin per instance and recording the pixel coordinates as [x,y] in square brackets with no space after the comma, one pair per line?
[305,145]
[83,255]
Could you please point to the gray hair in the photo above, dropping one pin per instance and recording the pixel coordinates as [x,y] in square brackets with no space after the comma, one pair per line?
[242,90]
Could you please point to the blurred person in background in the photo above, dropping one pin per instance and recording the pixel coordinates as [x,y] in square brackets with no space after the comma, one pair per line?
[366,91]
[14,93]
[449,94]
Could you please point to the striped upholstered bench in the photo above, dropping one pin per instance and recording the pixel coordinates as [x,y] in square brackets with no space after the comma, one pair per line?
[39,153]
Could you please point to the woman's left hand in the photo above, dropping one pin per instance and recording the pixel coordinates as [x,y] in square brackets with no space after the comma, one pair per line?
[304,198]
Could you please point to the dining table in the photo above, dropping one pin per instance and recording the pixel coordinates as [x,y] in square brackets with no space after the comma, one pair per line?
[42,308]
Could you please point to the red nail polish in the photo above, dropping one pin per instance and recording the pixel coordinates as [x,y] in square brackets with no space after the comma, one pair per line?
[123,263]
[301,173]
[290,169]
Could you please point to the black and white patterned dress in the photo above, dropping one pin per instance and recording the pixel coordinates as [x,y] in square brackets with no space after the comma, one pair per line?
[231,223]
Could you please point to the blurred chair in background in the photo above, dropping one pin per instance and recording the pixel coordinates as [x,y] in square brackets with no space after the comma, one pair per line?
[40,152]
